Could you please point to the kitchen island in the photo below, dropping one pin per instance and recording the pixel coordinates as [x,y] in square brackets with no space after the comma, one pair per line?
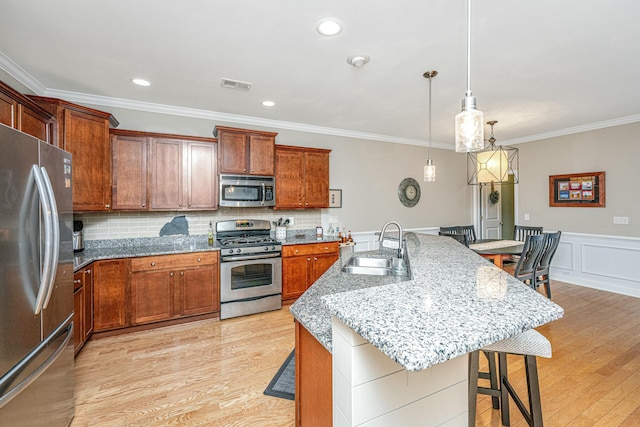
[417,328]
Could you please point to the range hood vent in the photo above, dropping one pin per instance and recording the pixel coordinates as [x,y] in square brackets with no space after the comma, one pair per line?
[235,84]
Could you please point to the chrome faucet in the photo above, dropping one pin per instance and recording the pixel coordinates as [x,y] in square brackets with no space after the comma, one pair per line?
[400,238]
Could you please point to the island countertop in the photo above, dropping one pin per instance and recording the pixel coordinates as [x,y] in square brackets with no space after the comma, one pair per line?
[454,303]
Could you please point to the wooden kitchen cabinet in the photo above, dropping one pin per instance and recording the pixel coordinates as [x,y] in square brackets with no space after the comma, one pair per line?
[174,286]
[84,132]
[111,295]
[129,155]
[183,174]
[82,307]
[245,152]
[302,177]
[302,265]
[19,112]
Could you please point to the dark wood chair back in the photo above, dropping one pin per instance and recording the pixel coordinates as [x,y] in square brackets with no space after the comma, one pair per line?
[520,232]
[469,230]
[462,238]
[452,229]
[530,258]
[542,271]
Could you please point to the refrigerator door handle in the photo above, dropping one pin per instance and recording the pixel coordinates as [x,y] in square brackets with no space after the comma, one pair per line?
[55,229]
[48,235]
[66,329]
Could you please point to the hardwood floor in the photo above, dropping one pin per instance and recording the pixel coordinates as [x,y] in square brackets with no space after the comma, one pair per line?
[212,373]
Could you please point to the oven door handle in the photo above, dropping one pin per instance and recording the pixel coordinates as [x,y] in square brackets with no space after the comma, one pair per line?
[249,257]
[264,194]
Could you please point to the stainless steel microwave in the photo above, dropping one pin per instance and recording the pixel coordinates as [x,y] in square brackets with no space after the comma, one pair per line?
[247,191]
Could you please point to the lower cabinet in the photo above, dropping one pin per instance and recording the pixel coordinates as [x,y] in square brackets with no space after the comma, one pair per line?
[145,290]
[82,307]
[303,264]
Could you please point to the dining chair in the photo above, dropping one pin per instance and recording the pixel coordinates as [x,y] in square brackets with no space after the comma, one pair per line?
[469,230]
[460,237]
[528,262]
[520,232]
[452,229]
[529,344]
[542,271]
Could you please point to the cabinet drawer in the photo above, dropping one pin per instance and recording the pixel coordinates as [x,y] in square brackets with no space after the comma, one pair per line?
[310,249]
[162,262]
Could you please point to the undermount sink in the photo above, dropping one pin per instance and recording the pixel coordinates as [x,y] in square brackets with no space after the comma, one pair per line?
[377,266]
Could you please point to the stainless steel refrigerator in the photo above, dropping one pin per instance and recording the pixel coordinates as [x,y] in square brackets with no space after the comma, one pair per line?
[36,282]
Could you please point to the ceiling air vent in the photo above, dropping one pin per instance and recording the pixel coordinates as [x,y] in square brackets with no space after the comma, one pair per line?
[235,84]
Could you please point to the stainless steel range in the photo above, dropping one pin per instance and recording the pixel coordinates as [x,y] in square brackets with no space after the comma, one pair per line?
[250,268]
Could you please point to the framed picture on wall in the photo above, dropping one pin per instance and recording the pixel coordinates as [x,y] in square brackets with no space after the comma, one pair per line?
[584,190]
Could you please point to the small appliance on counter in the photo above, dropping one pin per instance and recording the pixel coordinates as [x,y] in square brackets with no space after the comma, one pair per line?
[78,236]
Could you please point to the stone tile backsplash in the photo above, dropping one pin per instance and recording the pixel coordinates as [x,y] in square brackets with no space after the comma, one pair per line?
[122,225]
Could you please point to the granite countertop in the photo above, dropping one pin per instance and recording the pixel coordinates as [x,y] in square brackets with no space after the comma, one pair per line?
[96,250]
[455,302]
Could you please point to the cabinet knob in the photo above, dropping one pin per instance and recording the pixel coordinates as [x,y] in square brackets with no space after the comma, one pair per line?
[144,205]
[315,259]
[198,259]
[308,259]
[77,281]
[296,251]
[171,274]
[326,248]
[153,263]
[182,273]
[179,205]
[107,206]
[87,271]
[244,170]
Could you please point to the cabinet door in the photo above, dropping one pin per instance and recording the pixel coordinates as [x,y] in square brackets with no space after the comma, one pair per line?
[316,180]
[8,110]
[261,155]
[152,296]
[289,179]
[295,276]
[201,175]
[129,160]
[198,290]
[166,184]
[86,137]
[78,314]
[233,153]
[321,263]
[33,124]
[110,302]
[87,286]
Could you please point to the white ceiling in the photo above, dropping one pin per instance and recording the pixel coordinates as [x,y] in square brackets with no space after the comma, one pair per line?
[541,68]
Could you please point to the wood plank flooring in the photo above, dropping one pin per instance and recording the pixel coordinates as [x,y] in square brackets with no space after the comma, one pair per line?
[212,373]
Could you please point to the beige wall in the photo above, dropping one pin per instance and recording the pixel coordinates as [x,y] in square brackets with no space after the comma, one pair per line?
[615,150]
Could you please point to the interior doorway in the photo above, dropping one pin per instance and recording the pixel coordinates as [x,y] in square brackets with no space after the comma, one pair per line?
[496,210]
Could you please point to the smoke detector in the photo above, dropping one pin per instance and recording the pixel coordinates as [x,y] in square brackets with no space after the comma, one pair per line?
[358,60]
[235,84]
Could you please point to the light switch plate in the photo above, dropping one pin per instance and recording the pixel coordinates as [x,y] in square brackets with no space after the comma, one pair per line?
[621,220]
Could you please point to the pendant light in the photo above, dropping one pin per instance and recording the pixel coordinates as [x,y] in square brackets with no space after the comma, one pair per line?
[469,125]
[496,163]
[430,168]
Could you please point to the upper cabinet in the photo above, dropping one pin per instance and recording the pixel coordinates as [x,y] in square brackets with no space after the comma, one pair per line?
[302,177]
[245,152]
[19,112]
[84,132]
[154,171]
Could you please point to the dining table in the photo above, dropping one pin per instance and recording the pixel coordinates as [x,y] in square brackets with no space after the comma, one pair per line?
[497,250]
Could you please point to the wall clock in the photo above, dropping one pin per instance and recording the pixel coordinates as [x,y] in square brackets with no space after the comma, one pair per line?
[409,192]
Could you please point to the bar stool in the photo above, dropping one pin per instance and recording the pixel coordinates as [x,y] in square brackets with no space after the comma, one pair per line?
[529,344]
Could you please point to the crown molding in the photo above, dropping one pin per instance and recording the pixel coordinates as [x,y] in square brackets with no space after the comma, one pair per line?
[15,71]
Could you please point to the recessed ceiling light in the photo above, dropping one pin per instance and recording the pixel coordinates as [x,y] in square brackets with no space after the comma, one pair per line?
[329,27]
[141,82]
[358,60]
[268,103]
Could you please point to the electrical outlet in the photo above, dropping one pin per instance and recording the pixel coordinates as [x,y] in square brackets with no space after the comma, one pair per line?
[290,220]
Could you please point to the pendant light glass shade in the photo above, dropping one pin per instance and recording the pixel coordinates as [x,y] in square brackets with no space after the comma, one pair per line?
[469,123]
[429,171]
[430,168]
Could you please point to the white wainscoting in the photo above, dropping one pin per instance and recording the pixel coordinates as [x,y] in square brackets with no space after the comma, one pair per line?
[608,263]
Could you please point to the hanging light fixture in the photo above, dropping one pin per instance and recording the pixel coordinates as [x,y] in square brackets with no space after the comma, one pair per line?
[430,168]
[468,125]
[496,163]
